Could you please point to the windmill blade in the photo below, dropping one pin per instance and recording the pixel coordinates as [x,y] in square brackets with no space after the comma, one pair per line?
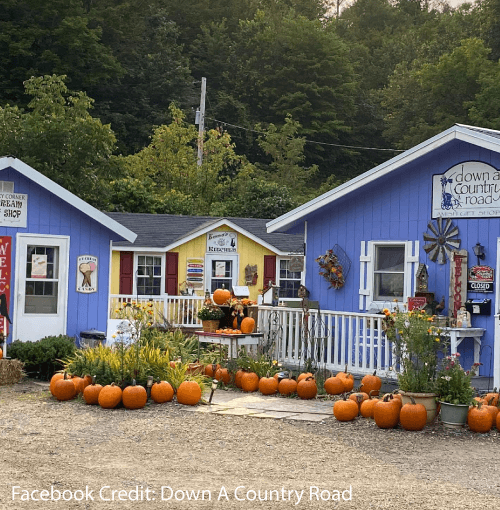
[428,247]
[432,228]
[429,237]
[434,253]
[442,255]
[452,232]
[454,243]
[447,225]
[440,225]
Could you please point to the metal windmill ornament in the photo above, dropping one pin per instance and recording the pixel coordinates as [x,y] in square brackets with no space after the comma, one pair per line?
[441,240]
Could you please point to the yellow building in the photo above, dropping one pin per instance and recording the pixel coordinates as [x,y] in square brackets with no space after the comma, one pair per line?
[190,255]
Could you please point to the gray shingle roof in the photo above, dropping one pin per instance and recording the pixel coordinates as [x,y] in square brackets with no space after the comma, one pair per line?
[161,230]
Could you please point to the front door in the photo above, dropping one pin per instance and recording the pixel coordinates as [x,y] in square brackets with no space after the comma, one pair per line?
[41,288]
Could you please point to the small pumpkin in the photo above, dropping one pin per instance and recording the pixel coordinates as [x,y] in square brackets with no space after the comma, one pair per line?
[386,412]
[347,379]
[367,406]
[64,389]
[189,393]
[307,388]
[237,377]
[491,398]
[222,374]
[221,296]
[479,419]
[304,375]
[359,397]
[371,382]
[110,396]
[249,381]
[268,385]
[287,386]
[247,325]
[345,409]
[134,396]
[413,416]
[211,369]
[334,386]
[79,384]
[492,408]
[91,392]
[162,392]
[1,353]
[54,379]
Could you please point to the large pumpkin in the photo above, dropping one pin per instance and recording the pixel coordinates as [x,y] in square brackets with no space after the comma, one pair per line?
[307,389]
[345,410]
[479,419]
[413,416]
[371,382]
[334,386]
[247,325]
[386,412]
[223,374]
[110,396]
[249,381]
[268,385]
[134,397]
[221,296]
[64,389]
[189,393]
[287,386]
[161,392]
[54,379]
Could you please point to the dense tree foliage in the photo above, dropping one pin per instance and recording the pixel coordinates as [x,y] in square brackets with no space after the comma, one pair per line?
[298,100]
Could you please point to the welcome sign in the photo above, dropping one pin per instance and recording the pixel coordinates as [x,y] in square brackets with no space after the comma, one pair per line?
[470,189]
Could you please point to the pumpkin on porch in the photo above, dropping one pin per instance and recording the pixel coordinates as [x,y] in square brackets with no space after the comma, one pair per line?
[247,325]
[221,296]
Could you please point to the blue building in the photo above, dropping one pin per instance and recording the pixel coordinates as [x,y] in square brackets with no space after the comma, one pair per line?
[424,224]
[55,253]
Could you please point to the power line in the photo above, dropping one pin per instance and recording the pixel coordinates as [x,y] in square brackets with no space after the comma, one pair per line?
[306,140]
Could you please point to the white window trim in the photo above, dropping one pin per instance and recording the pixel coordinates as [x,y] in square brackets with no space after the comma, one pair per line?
[136,269]
[278,279]
[367,260]
[209,257]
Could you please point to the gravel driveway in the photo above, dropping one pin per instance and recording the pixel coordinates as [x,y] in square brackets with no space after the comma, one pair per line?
[164,456]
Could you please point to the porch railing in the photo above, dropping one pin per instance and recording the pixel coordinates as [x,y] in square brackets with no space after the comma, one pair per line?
[328,339]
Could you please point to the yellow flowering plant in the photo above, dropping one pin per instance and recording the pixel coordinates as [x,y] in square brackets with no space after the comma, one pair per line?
[418,347]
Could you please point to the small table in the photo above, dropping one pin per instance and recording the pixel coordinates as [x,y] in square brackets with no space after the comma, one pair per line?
[458,334]
[233,341]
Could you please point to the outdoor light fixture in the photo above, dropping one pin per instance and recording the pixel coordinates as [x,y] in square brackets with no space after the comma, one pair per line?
[149,384]
[215,382]
[479,252]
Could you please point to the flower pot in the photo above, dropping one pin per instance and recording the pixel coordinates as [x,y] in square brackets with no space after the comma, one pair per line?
[454,415]
[210,326]
[427,399]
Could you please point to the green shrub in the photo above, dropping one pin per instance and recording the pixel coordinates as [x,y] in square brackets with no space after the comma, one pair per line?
[42,358]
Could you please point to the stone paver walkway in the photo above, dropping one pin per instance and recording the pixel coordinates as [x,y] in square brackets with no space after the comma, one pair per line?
[257,405]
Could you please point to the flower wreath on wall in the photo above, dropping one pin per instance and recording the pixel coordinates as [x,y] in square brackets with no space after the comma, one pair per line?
[334,267]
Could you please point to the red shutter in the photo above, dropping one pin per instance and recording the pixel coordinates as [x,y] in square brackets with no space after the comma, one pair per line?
[126,272]
[269,269]
[171,273]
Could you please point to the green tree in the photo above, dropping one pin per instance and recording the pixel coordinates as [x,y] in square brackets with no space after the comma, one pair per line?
[59,137]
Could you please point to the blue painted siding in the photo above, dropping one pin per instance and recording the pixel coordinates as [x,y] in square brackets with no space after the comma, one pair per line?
[398,207]
[49,215]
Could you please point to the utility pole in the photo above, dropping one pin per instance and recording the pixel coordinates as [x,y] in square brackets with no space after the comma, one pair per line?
[201,120]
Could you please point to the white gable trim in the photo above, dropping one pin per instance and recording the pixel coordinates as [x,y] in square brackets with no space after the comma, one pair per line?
[64,194]
[220,223]
[459,132]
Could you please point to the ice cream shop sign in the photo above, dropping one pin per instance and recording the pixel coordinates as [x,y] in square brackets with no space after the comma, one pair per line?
[470,189]
[86,275]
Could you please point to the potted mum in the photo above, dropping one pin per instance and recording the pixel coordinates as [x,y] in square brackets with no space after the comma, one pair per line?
[418,347]
[210,316]
[455,391]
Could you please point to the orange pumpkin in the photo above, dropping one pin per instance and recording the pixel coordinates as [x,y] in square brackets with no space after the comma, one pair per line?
[334,386]
[307,388]
[221,296]
[189,393]
[1,353]
[497,421]
[479,419]
[134,397]
[211,369]
[79,384]
[371,382]
[110,396]
[64,389]
[491,399]
[287,386]
[91,393]
[345,409]
[54,379]
[413,416]
[249,381]
[162,392]
[222,374]
[359,397]
[237,378]
[304,375]
[386,412]
[367,407]
[347,379]
[247,325]
[268,385]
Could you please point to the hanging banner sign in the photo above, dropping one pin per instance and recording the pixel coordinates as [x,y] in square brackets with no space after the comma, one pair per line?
[480,279]
[458,281]
[222,242]
[86,276]
[5,277]
[13,210]
[195,271]
[38,266]
[467,190]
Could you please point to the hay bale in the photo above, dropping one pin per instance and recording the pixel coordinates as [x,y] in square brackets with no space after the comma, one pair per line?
[11,371]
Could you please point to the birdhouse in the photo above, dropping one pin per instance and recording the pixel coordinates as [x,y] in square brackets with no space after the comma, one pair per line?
[422,277]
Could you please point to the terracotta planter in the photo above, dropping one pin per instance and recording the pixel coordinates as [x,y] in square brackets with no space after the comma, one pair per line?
[454,415]
[427,399]
[210,326]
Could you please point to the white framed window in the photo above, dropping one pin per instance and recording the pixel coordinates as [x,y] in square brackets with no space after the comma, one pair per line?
[387,275]
[289,281]
[149,274]
[221,270]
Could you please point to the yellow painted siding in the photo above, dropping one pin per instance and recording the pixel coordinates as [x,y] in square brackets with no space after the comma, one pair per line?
[115,272]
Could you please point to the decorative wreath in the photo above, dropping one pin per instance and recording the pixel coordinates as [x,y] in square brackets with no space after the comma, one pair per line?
[331,269]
